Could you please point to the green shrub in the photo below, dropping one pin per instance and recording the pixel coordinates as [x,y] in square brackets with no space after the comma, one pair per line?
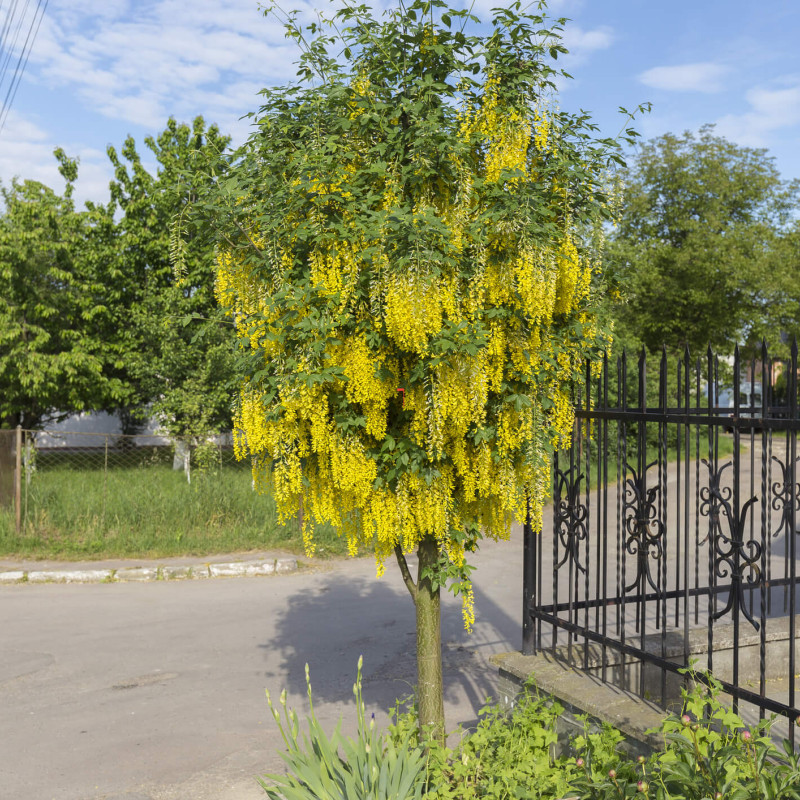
[373,766]
[506,756]
[709,752]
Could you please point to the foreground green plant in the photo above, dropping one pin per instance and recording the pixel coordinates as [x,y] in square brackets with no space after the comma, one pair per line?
[709,753]
[373,766]
[506,756]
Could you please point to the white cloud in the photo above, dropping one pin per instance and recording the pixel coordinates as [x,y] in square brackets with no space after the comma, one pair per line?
[142,62]
[163,59]
[702,76]
[27,154]
[581,43]
[25,143]
[771,109]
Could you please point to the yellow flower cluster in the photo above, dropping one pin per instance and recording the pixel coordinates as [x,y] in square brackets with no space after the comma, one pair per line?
[469,454]
[574,277]
[506,133]
[413,311]
[363,389]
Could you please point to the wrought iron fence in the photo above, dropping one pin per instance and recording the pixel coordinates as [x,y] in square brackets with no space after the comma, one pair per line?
[675,526]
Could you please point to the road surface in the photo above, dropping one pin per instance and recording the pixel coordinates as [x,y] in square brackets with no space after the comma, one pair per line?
[155,691]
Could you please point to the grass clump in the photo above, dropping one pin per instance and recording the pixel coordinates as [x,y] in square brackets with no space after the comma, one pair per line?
[371,766]
[73,511]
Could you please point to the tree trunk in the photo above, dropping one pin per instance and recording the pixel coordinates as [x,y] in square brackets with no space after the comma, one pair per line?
[429,644]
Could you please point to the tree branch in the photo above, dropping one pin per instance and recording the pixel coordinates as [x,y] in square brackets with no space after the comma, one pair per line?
[405,572]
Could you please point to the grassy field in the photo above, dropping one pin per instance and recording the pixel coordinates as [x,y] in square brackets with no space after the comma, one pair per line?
[72,512]
[75,508]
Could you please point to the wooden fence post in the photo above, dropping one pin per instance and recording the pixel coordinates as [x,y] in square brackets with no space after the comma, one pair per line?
[18,481]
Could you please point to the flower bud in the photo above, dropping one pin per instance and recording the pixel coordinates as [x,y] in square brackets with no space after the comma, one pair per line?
[686,720]
[746,736]
[579,762]
[612,773]
[640,760]
[642,786]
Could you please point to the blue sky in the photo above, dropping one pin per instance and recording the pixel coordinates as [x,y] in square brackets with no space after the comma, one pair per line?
[102,69]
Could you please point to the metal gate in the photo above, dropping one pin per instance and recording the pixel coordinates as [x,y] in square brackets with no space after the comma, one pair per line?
[675,527]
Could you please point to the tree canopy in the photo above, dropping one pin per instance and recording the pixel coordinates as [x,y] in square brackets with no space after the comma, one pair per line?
[53,304]
[409,245]
[92,313]
[699,247]
[178,345]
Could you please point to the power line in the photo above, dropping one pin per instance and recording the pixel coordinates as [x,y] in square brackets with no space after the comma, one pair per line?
[9,46]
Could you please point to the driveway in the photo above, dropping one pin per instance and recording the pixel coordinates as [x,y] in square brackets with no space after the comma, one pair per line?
[155,691]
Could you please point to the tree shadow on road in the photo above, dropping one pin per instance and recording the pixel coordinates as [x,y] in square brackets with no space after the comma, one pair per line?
[335,617]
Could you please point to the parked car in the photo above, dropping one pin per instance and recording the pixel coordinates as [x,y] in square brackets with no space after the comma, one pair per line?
[751,400]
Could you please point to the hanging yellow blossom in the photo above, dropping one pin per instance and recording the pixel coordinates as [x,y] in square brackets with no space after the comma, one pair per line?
[412,276]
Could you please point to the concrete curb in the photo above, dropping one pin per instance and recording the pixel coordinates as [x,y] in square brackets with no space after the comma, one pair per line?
[161,573]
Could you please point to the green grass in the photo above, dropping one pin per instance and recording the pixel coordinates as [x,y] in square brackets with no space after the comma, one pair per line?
[74,512]
[141,508]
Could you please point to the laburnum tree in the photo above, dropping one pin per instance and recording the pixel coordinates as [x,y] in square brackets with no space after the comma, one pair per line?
[409,246]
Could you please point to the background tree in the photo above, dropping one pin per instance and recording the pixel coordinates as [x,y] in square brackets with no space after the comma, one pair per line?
[696,248]
[179,346]
[408,246]
[53,305]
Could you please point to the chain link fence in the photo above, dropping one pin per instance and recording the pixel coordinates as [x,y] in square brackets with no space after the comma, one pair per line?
[80,493]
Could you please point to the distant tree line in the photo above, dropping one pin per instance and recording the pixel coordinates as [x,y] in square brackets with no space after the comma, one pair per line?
[706,250]
[94,315]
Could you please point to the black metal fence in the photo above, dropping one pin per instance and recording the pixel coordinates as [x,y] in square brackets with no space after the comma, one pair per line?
[675,526]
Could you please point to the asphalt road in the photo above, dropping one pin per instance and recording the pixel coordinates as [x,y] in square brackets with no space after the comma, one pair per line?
[155,691]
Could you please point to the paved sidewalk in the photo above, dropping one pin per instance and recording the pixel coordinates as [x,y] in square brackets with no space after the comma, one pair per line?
[186,568]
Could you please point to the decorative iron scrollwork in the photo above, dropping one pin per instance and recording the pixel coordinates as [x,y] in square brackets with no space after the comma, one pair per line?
[732,556]
[570,516]
[644,530]
[782,497]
